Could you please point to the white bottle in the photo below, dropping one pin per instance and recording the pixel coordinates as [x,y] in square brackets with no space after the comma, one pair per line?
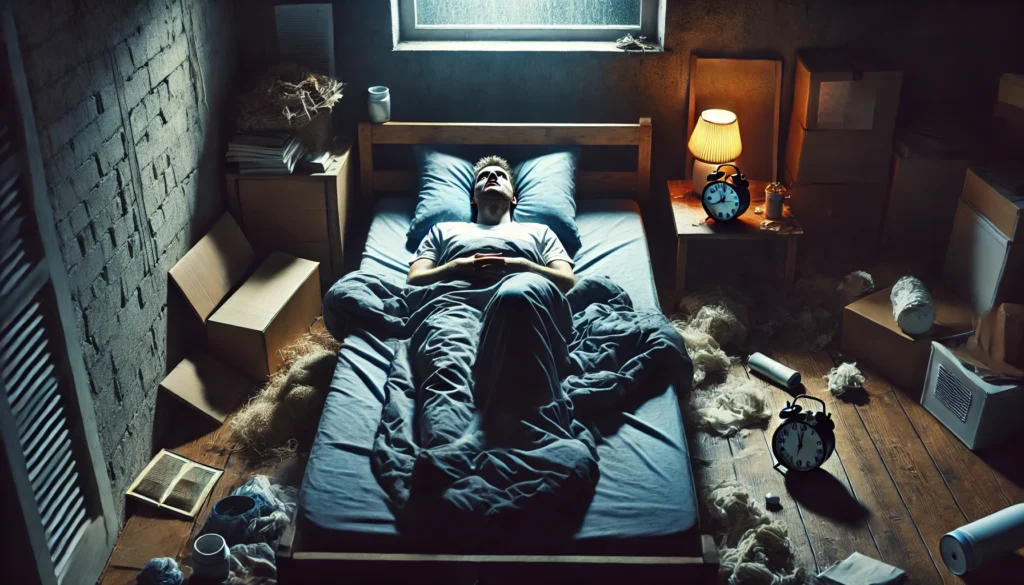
[969,546]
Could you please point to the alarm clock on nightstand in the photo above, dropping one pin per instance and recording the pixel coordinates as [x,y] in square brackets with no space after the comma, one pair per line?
[726,197]
[804,440]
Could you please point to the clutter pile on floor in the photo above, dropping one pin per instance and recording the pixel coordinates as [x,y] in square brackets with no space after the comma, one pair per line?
[754,549]
[246,527]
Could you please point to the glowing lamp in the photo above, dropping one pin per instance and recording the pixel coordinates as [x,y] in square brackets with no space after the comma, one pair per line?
[715,140]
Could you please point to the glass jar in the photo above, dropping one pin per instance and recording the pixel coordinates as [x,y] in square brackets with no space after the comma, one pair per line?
[774,196]
[380,104]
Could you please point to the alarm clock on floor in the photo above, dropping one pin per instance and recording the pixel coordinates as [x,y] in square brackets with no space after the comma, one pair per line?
[726,197]
[805,439]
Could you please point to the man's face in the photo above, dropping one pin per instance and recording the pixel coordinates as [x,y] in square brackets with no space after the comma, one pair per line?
[493,186]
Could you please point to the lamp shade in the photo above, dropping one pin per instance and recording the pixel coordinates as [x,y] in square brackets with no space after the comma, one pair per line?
[716,137]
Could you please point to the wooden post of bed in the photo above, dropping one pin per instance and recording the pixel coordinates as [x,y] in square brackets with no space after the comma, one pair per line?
[305,561]
[634,184]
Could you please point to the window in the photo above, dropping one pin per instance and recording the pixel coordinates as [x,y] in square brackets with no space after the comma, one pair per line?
[594,21]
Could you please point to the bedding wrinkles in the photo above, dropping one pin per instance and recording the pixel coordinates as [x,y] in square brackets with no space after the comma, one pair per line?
[496,393]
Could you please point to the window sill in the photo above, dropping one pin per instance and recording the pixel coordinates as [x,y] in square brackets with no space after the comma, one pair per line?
[520,46]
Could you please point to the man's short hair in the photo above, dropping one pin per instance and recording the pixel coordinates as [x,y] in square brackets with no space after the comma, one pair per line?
[492,161]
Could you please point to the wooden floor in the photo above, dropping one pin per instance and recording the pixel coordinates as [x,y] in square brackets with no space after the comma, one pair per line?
[149,533]
[897,482]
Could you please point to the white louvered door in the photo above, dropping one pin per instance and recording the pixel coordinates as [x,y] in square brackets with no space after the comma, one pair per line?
[54,492]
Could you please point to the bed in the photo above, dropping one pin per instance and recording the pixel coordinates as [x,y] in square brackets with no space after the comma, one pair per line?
[642,521]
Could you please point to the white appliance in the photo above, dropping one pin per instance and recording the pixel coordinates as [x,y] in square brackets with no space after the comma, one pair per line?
[977,412]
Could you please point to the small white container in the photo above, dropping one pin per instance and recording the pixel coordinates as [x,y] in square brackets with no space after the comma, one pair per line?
[380,104]
[210,557]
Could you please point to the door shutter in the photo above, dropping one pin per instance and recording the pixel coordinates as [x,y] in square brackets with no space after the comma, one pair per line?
[52,475]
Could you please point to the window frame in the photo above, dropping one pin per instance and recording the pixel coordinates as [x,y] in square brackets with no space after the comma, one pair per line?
[408,36]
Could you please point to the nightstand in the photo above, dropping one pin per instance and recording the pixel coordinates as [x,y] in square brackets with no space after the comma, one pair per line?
[303,214]
[691,224]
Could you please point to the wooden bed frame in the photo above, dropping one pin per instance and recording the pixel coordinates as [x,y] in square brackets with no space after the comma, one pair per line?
[299,561]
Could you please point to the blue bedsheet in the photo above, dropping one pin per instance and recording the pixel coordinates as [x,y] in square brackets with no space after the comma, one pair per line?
[644,501]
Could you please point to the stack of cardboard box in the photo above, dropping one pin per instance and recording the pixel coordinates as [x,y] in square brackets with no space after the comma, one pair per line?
[840,145]
[251,312]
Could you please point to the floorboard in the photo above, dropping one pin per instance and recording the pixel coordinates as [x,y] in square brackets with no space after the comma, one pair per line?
[834,519]
[910,465]
[891,526]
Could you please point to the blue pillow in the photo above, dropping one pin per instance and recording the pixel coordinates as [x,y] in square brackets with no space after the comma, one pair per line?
[545,188]
[446,183]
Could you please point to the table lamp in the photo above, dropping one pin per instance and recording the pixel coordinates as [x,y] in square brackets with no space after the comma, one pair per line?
[715,140]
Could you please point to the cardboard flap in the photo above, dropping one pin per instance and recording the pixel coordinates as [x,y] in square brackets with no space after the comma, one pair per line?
[208,272]
[207,385]
[255,304]
[840,64]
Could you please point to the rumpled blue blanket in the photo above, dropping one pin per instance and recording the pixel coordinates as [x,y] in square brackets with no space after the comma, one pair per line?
[496,396]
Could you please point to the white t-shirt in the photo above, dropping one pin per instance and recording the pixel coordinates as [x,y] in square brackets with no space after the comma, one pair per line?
[449,240]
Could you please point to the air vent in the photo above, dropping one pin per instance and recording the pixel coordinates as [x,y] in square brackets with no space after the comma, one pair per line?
[38,406]
[952,393]
[175,483]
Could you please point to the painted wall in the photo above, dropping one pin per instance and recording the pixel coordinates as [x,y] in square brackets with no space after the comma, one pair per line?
[951,52]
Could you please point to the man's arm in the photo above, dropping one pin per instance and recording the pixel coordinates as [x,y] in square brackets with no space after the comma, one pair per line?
[425,271]
[557,271]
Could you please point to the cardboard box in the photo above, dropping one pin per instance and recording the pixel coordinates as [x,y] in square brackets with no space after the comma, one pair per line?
[822,207]
[273,307]
[983,266]
[927,179]
[1011,90]
[997,193]
[838,156]
[838,90]
[871,336]
[206,385]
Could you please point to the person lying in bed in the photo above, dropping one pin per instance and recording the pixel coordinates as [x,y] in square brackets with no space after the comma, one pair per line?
[494,245]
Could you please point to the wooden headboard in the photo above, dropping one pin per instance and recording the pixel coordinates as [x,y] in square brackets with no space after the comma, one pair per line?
[634,184]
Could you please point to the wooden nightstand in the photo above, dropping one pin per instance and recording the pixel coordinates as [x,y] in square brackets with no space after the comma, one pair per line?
[301,214]
[689,218]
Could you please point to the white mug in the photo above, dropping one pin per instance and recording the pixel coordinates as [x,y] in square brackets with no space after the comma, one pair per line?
[380,104]
[210,557]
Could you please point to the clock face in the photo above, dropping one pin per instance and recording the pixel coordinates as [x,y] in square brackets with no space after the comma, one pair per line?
[798,446]
[722,201]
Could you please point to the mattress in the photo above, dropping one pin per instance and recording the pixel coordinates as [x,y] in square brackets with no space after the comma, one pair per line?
[644,501]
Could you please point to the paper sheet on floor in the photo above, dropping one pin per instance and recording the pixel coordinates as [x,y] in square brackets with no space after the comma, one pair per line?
[858,569]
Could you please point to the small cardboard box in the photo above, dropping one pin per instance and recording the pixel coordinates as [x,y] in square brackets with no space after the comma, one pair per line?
[928,175]
[838,90]
[871,336]
[997,193]
[273,307]
[983,265]
[838,156]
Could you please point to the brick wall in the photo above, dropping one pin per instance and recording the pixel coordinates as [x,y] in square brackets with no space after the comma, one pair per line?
[128,98]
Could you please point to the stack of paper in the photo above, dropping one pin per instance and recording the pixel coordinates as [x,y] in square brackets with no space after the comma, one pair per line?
[268,154]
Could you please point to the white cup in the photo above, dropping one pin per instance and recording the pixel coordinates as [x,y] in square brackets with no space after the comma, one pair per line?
[210,557]
[380,104]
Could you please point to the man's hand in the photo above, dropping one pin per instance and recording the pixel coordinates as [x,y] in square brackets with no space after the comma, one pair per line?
[490,262]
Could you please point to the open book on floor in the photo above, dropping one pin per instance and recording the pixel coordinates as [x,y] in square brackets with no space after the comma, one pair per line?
[175,483]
